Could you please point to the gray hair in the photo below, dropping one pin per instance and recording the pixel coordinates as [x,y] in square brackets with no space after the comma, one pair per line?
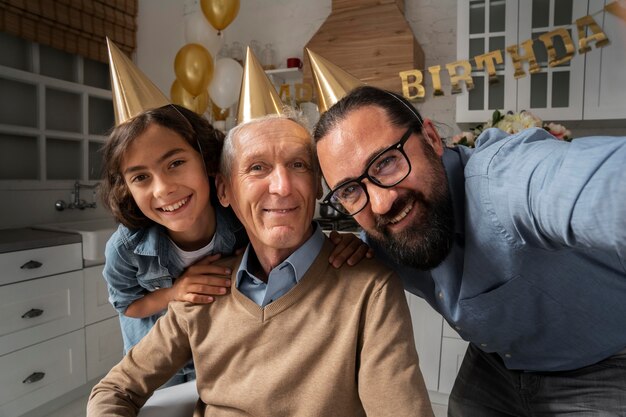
[228,150]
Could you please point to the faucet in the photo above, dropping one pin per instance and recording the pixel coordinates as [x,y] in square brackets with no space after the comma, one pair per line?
[78,203]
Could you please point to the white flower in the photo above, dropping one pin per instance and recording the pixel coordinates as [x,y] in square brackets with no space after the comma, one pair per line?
[514,123]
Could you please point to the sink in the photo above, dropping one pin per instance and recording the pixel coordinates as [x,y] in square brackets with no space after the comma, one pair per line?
[95,233]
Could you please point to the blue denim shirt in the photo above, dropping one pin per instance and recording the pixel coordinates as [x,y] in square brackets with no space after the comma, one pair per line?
[141,261]
[537,273]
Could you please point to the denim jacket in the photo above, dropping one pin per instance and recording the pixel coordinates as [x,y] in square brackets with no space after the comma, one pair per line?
[140,261]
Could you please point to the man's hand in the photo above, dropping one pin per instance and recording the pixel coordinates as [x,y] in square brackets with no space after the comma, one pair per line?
[348,249]
[200,282]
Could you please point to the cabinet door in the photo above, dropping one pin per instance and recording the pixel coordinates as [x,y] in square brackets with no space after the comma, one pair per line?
[452,354]
[36,310]
[605,76]
[97,306]
[33,376]
[484,26]
[105,347]
[554,93]
[427,327]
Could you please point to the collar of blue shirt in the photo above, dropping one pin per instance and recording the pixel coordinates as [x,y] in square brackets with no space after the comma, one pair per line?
[284,276]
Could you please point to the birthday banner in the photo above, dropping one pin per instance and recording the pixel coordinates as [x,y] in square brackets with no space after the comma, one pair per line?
[412,80]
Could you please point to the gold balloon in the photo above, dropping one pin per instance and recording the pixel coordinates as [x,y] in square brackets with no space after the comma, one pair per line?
[184,98]
[133,92]
[529,56]
[193,66]
[219,113]
[220,13]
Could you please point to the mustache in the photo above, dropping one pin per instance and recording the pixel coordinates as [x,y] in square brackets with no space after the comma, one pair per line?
[382,220]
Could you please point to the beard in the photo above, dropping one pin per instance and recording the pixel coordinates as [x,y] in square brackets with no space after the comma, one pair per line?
[426,242]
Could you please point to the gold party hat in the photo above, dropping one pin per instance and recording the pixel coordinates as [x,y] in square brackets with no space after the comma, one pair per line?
[258,96]
[133,92]
[331,82]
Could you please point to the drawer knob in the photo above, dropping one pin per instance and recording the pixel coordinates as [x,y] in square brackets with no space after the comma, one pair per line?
[34,377]
[33,312]
[31,265]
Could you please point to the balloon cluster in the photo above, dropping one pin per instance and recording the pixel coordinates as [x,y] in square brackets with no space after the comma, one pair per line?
[200,80]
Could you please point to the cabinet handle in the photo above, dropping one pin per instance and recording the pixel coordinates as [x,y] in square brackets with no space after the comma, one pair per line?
[33,312]
[34,377]
[31,265]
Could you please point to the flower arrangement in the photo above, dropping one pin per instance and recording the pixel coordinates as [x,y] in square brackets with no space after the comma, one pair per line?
[512,123]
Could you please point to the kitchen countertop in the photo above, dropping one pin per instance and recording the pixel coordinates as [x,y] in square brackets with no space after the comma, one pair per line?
[12,240]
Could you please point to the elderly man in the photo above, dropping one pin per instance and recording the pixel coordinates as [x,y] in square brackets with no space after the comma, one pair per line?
[520,244]
[296,337]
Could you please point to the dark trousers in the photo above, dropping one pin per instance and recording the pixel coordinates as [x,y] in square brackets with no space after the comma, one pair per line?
[485,388]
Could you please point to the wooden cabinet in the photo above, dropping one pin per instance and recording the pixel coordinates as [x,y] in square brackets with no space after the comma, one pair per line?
[584,88]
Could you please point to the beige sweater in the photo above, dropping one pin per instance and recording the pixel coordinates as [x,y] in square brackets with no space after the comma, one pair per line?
[339,343]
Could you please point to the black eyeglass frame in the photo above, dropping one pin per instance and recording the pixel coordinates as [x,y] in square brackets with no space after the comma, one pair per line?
[399,146]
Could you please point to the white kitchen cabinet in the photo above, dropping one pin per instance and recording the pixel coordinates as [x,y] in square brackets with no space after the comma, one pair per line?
[39,373]
[452,354]
[37,310]
[554,93]
[97,306]
[39,262]
[440,349]
[103,336]
[427,331]
[104,345]
[605,77]
[584,88]
[58,330]
[484,26]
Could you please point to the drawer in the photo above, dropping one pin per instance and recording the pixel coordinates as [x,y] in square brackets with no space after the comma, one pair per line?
[37,310]
[97,306]
[33,376]
[105,347]
[34,263]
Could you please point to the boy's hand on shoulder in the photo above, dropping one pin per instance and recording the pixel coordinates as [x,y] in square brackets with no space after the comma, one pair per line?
[348,249]
[202,281]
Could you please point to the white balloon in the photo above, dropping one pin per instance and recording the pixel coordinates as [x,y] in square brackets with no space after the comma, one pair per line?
[226,83]
[198,30]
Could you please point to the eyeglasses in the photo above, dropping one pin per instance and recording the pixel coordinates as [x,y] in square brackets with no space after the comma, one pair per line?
[387,169]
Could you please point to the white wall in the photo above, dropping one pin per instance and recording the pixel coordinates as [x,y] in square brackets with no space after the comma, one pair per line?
[288,25]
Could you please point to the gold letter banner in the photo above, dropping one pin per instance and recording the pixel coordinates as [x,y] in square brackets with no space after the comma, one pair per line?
[413,80]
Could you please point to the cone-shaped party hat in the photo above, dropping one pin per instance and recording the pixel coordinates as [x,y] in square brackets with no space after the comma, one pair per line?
[133,92]
[331,82]
[258,96]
